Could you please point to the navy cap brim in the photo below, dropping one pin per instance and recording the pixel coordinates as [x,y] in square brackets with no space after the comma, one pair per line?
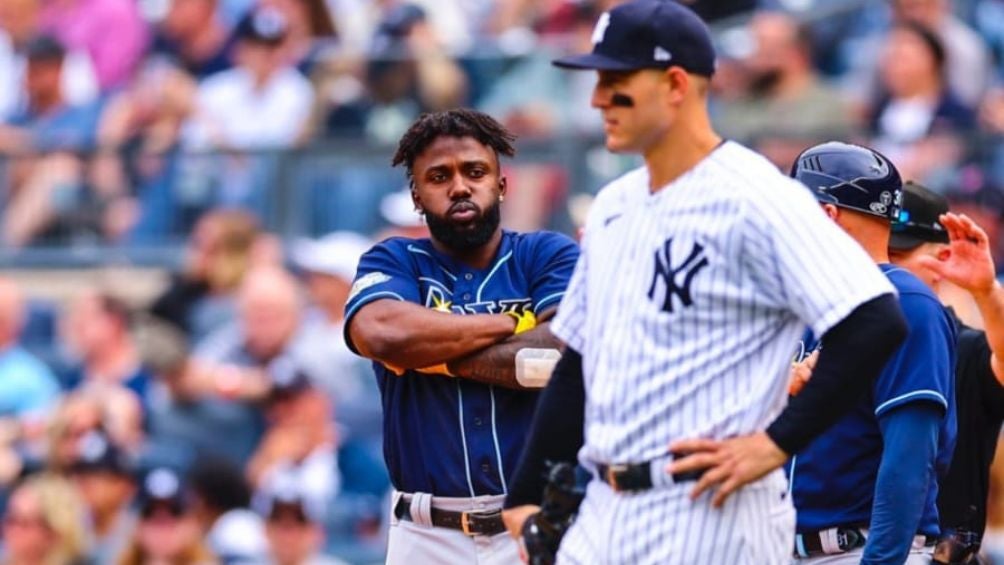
[904,241]
[595,61]
[906,237]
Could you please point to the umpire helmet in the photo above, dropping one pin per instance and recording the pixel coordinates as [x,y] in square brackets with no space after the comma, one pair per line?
[852,177]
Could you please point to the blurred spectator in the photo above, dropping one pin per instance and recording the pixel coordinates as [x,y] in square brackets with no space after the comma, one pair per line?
[167,531]
[786,106]
[269,317]
[918,114]
[342,101]
[329,267]
[97,331]
[46,191]
[200,299]
[137,132]
[222,507]
[43,524]
[28,389]
[263,84]
[532,100]
[967,58]
[103,475]
[114,412]
[194,37]
[293,527]
[398,209]
[711,10]
[409,72]
[187,419]
[299,444]
[310,23]
[87,25]
[18,25]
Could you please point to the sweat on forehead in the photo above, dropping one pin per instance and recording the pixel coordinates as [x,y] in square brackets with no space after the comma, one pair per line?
[458,123]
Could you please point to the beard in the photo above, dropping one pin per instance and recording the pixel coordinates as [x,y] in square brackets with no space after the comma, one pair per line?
[465,237]
[763,82]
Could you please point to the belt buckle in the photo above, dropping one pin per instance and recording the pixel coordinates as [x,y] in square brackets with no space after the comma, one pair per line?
[465,524]
[611,474]
[465,520]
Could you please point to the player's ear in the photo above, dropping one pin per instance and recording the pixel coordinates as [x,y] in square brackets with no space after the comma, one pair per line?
[503,186]
[679,84]
[416,201]
[831,211]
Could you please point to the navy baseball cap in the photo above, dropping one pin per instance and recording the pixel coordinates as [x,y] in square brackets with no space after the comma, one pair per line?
[265,26]
[96,452]
[162,486]
[919,218]
[648,34]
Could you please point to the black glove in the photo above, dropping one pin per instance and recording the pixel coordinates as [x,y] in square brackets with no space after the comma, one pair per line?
[542,532]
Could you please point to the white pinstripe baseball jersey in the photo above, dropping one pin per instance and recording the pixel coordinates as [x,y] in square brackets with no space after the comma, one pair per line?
[686,303]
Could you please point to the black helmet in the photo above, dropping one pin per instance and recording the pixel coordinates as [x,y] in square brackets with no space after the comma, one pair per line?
[851,176]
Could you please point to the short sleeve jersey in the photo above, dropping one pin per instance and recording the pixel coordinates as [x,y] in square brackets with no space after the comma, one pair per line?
[453,436]
[686,302]
[833,479]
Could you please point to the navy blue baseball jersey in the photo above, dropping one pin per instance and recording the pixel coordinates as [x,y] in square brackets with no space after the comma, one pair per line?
[453,436]
[833,480]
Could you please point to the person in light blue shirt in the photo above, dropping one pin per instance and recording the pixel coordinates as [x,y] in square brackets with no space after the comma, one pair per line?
[28,389]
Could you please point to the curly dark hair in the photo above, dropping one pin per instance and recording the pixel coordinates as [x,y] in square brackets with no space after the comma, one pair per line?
[459,122]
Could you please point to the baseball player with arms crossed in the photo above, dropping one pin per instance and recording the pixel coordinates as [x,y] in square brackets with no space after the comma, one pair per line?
[444,318]
[866,489]
[679,321]
[946,250]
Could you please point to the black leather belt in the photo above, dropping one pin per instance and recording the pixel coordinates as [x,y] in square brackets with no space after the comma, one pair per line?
[471,523]
[810,544]
[635,477]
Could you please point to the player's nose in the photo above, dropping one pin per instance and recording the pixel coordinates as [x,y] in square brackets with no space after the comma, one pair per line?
[459,188]
[602,96]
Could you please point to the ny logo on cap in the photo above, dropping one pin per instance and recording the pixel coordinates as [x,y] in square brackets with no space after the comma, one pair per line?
[661,54]
[601,28]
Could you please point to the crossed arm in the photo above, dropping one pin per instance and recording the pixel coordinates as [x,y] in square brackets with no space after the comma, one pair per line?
[480,347]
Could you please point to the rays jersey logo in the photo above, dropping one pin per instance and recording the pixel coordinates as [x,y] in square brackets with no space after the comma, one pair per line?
[439,299]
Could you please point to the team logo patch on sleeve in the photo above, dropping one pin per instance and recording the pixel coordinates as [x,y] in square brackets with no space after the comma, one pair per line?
[367,281]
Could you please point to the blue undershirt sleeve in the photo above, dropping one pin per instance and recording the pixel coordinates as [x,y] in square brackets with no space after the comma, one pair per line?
[910,446]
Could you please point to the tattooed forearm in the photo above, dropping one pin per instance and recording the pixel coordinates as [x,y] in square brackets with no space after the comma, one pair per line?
[496,365]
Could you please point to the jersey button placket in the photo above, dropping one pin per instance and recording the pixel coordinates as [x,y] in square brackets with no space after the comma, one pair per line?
[463,290]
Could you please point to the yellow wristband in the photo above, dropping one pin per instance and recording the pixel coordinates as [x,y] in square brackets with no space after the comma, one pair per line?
[525,320]
[440,369]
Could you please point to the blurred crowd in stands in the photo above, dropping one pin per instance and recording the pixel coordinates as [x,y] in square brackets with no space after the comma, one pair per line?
[221,419]
[225,421]
[125,120]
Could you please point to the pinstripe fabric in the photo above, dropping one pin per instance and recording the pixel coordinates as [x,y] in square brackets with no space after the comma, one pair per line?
[755,527]
[658,369]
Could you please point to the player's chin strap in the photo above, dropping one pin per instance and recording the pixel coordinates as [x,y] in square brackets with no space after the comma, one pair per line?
[421,509]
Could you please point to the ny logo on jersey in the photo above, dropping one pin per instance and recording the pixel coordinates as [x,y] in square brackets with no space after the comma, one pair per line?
[669,275]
